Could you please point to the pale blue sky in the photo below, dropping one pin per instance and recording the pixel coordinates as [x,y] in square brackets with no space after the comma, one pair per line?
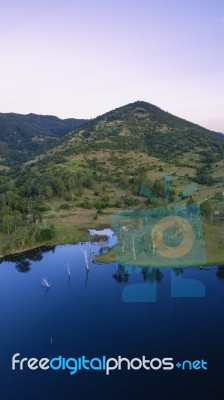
[82,58]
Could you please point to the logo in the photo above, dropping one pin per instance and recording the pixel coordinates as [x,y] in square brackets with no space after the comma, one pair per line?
[164,236]
[83,363]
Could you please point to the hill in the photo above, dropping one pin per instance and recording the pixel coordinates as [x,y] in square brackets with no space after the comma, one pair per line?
[144,127]
[100,167]
[137,142]
[24,136]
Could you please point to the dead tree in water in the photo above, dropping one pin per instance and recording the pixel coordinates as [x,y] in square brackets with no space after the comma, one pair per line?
[86,259]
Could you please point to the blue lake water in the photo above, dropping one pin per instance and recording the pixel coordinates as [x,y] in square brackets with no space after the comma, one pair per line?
[85,315]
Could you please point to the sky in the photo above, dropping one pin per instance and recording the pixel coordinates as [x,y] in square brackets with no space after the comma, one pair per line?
[82,58]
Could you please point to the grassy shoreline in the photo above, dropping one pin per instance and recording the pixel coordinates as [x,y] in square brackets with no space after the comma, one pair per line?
[69,229]
[73,228]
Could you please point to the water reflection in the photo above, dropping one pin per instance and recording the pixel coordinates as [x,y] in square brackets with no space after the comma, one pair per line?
[220,272]
[152,274]
[23,265]
[121,275]
[178,271]
[86,279]
[149,274]
[23,260]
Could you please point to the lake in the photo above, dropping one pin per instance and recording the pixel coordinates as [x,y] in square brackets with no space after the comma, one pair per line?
[86,315]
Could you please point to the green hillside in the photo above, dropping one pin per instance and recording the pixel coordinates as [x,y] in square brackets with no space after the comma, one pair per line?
[128,146]
[24,136]
[142,126]
[100,167]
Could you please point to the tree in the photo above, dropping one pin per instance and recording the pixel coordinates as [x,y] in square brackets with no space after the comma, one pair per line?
[206,209]
[158,189]
[20,236]
[8,223]
[17,219]
[45,234]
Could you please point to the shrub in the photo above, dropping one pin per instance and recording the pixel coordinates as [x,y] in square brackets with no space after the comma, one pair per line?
[64,206]
[45,234]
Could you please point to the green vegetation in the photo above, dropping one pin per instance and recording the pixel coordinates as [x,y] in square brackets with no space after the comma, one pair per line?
[206,209]
[24,136]
[101,166]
